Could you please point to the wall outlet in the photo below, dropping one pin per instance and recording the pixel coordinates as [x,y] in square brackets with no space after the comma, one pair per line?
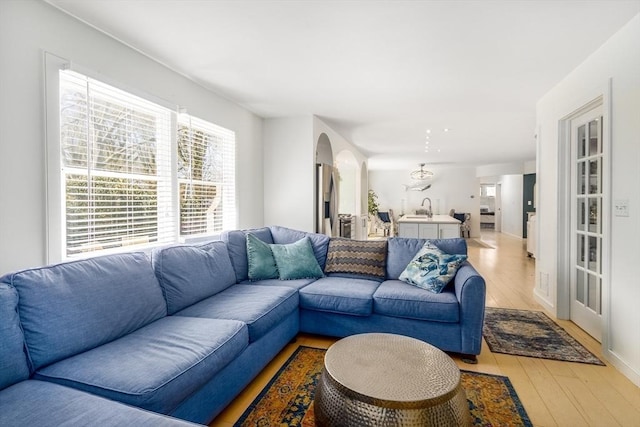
[543,284]
[621,207]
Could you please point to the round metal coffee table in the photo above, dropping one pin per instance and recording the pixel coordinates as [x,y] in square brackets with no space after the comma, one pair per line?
[389,380]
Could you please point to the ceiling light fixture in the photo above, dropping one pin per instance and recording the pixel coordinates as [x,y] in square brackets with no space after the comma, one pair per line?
[421,174]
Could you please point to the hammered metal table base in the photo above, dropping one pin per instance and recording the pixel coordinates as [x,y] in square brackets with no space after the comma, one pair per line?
[338,405]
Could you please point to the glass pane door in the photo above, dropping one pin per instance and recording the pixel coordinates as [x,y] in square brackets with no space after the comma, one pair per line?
[586,277]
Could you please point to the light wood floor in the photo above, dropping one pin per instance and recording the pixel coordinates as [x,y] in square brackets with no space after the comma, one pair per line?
[553,393]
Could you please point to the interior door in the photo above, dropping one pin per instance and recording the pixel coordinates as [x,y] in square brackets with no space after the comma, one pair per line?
[498,209]
[586,221]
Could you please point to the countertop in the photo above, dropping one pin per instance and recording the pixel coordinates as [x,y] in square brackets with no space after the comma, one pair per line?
[423,219]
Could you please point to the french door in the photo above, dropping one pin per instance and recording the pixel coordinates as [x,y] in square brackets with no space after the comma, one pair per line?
[586,221]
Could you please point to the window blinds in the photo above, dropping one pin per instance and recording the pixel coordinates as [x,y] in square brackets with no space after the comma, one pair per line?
[116,167]
[206,176]
[118,171]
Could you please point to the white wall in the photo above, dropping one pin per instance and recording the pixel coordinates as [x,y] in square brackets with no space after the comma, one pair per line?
[618,60]
[349,172]
[289,172]
[451,188]
[27,29]
[501,169]
[289,168]
[529,167]
[511,207]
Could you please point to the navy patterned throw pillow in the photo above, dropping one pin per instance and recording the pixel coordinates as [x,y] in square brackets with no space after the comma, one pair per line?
[431,268]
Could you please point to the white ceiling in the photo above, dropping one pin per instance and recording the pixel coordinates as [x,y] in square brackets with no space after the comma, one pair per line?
[379,72]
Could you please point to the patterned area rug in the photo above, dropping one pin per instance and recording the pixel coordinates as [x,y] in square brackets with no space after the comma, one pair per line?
[288,399]
[532,334]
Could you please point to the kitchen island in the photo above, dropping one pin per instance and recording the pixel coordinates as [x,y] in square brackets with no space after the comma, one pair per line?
[423,227]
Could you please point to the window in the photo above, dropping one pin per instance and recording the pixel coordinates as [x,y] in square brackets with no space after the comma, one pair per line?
[115,152]
[206,159]
[129,172]
[487,190]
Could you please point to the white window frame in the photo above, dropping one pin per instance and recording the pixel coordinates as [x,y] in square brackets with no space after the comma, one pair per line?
[226,185]
[55,198]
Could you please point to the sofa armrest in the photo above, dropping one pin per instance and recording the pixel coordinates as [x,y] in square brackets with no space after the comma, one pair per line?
[470,289]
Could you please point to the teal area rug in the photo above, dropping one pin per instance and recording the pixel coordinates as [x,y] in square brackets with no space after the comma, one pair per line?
[532,334]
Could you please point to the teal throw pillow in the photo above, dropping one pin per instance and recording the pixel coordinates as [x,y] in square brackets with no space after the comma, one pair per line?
[262,265]
[431,268]
[296,260]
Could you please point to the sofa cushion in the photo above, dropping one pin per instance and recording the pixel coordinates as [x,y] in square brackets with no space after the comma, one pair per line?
[319,242]
[260,307]
[365,258]
[96,300]
[294,283]
[155,367]
[41,403]
[190,273]
[236,241]
[296,260]
[431,269]
[340,295]
[401,250]
[13,360]
[399,299]
[261,264]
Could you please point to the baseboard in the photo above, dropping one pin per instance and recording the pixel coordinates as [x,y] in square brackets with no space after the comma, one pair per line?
[544,302]
[622,366]
[512,235]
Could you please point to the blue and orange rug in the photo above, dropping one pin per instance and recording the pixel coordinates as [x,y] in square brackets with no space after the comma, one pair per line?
[288,399]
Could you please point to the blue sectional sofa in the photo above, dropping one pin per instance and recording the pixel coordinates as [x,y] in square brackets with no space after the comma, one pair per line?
[137,339]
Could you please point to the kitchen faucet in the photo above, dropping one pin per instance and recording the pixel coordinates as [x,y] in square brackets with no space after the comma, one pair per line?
[429,212]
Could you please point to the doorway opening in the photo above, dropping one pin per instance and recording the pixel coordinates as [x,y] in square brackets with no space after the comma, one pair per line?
[489,207]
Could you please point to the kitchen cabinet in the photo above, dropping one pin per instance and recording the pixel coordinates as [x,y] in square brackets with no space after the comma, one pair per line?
[448,231]
[420,226]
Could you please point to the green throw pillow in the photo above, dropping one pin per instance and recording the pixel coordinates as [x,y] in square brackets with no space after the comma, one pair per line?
[296,260]
[432,269]
[262,265]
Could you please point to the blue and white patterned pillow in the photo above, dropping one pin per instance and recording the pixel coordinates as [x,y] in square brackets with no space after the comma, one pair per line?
[431,268]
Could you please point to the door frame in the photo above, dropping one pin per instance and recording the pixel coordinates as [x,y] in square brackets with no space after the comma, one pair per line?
[563,279]
[498,208]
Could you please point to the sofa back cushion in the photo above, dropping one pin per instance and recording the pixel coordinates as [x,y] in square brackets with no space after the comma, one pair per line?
[236,241]
[13,360]
[402,250]
[72,307]
[319,242]
[191,273]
